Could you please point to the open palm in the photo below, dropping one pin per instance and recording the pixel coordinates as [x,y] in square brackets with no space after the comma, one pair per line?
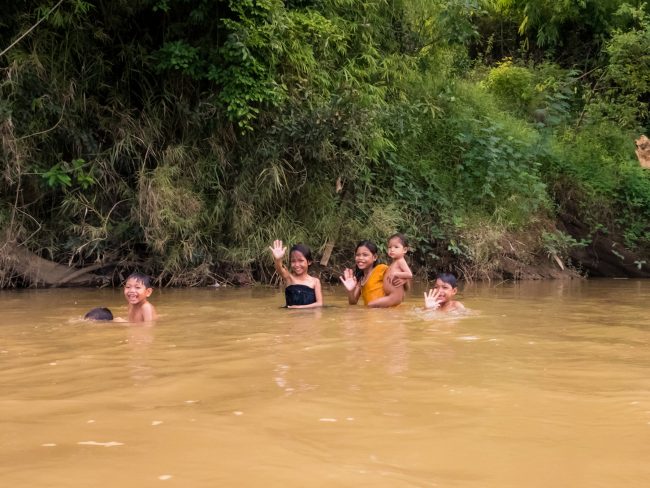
[277,249]
[348,279]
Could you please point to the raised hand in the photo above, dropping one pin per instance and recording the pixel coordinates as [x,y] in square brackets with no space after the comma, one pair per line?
[431,299]
[277,250]
[348,279]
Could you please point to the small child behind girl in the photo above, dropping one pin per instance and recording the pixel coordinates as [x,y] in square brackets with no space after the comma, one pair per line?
[397,275]
[303,290]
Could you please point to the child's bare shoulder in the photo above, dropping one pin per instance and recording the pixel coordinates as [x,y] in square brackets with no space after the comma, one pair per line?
[457,307]
[149,310]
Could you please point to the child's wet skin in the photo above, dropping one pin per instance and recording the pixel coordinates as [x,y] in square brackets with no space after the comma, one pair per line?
[135,292]
[299,264]
[364,258]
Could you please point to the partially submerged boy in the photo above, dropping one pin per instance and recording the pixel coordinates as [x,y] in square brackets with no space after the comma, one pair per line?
[440,297]
[99,314]
[137,289]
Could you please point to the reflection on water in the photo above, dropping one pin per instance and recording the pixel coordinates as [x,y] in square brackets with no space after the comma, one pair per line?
[543,384]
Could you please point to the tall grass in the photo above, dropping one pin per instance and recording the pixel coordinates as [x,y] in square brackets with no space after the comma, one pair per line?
[182,139]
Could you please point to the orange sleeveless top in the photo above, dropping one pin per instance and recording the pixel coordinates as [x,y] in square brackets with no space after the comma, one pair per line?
[374,286]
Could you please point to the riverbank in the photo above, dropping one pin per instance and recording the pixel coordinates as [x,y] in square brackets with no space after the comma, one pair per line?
[603,257]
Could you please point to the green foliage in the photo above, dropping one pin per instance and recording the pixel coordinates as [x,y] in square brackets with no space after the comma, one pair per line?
[59,174]
[628,68]
[612,190]
[501,171]
[545,93]
[512,85]
[189,135]
[560,243]
[557,23]
[178,55]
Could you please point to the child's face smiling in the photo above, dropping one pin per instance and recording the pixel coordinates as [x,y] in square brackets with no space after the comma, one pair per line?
[299,264]
[135,291]
[396,248]
[445,291]
[364,258]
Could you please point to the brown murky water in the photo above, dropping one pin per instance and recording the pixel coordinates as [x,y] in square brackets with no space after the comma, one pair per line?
[544,385]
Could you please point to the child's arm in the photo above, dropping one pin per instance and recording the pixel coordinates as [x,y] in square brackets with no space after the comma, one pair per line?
[278,260]
[393,295]
[394,298]
[351,286]
[402,270]
[319,297]
[400,274]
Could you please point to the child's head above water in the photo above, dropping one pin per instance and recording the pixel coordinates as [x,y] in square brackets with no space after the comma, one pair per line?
[441,297]
[99,313]
[142,278]
[300,258]
[446,286]
[302,249]
[365,257]
[397,246]
[400,238]
[137,288]
[369,245]
[448,278]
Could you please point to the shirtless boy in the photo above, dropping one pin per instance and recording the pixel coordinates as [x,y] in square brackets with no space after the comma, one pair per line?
[440,297]
[137,290]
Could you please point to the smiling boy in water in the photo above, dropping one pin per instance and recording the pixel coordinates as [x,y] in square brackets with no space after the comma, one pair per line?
[137,289]
[440,297]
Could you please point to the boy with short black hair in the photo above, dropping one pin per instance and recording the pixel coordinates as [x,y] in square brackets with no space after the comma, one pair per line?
[137,289]
[99,314]
[440,297]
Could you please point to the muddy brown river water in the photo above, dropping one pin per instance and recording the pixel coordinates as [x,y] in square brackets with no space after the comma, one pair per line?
[543,384]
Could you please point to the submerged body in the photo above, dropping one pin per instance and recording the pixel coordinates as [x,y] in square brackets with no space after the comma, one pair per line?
[299,295]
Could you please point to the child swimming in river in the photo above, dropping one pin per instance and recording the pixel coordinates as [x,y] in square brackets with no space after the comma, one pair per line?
[440,297]
[397,275]
[97,314]
[303,290]
[137,290]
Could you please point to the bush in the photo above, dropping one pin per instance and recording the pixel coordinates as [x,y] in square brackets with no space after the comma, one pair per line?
[512,85]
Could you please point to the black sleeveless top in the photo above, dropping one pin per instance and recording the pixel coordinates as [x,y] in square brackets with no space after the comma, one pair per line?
[299,295]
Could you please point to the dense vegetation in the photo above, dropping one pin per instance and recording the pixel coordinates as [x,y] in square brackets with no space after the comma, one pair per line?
[182,136]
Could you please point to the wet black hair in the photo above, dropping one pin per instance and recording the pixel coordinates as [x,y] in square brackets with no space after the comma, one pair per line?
[99,313]
[141,277]
[399,236]
[302,249]
[448,278]
[372,247]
